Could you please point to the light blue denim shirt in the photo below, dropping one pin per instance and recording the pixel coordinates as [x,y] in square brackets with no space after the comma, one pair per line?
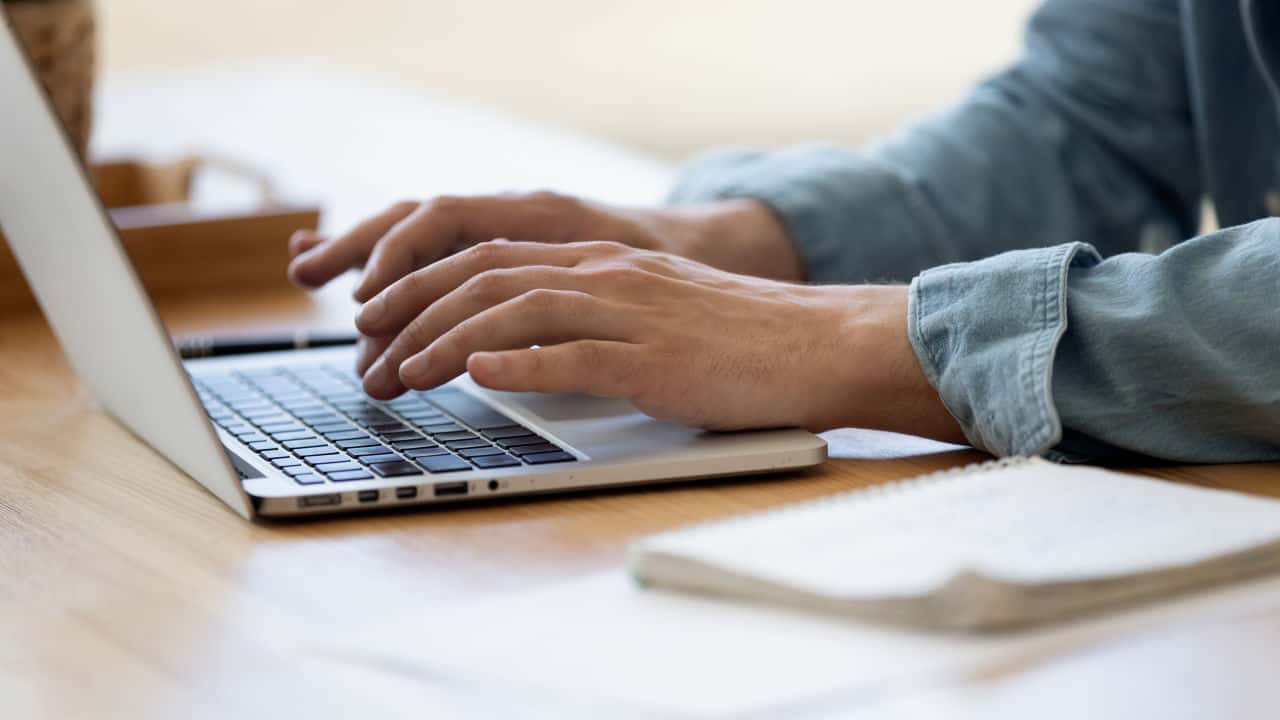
[1053,306]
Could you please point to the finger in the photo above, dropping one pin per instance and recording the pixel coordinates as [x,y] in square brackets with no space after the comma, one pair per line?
[484,291]
[302,241]
[444,225]
[369,349]
[392,309]
[328,260]
[595,367]
[541,317]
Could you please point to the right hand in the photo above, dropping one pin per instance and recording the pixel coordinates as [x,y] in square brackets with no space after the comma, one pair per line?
[740,236]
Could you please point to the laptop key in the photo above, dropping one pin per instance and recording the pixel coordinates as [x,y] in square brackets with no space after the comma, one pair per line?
[292,435]
[375,449]
[473,453]
[262,445]
[330,468]
[381,458]
[314,450]
[286,462]
[548,457]
[451,436]
[317,460]
[399,468]
[273,428]
[274,454]
[349,475]
[425,413]
[346,435]
[335,426]
[297,470]
[495,461]
[434,429]
[323,419]
[417,443]
[510,431]
[251,437]
[534,449]
[389,427]
[401,435]
[510,443]
[426,452]
[308,479]
[466,444]
[360,442]
[443,463]
[300,444]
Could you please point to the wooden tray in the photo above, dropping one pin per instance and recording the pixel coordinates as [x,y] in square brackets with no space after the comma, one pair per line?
[175,249]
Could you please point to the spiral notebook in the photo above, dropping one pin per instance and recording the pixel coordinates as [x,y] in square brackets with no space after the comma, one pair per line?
[1013,542]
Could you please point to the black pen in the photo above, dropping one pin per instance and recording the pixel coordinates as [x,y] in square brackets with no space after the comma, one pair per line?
[217,345]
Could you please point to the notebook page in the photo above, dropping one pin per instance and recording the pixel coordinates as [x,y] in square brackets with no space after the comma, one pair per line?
[1029,522]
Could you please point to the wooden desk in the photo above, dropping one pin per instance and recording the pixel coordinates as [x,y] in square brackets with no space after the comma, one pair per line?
[128,591]
[125,589]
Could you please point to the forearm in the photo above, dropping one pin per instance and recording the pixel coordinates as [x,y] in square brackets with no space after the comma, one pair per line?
[1057,351]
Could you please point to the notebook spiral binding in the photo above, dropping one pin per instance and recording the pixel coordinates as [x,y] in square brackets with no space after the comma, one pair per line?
[868,494]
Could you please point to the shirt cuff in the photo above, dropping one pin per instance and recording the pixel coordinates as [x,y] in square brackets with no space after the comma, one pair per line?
[985,334]
[852,216]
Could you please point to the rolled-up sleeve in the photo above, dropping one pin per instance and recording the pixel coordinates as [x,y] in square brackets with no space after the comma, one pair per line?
[1056,351]
[1088,137]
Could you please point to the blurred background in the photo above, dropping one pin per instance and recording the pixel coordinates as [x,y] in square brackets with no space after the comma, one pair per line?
[664,77]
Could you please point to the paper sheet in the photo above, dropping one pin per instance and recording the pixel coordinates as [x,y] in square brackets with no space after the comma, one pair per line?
[600,643]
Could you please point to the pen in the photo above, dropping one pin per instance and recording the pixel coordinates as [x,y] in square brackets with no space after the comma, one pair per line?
[217,345]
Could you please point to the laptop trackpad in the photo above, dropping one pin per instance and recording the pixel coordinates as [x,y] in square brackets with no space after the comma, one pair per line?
[569,408]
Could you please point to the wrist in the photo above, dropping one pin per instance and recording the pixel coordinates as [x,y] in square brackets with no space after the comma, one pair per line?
[874,378]
[740,235]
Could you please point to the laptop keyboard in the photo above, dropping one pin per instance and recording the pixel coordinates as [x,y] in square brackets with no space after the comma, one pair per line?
[316,425]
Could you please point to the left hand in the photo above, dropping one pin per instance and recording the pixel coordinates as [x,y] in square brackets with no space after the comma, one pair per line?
[680,340]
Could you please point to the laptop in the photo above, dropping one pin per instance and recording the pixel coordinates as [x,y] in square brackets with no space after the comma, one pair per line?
[292,433]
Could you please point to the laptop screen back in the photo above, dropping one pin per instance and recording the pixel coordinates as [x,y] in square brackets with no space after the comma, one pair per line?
[82,278]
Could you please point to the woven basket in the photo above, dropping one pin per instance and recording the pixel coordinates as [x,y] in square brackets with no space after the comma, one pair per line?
[59,37]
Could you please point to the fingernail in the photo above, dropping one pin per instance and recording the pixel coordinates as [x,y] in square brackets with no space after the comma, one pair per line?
[372,312]
[487,363]
[415,368]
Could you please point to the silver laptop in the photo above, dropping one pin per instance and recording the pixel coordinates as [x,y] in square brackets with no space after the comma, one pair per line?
[292,433]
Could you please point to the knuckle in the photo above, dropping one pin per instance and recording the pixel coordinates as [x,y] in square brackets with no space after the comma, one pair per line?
[487,285]
[553,199]
[443,203]
[484,254]
[541,299]
[588,356]
[608,248]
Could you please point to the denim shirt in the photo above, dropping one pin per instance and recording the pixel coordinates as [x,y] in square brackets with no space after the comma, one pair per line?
[1060,304]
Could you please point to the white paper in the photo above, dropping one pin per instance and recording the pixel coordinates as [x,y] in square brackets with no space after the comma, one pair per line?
[600,643]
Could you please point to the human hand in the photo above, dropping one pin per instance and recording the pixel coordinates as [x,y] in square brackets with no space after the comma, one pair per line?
[737,235]
[680,340]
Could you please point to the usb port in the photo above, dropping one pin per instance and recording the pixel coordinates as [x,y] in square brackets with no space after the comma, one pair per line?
[367,496]
[450,488]
[307,501]
[408,492]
